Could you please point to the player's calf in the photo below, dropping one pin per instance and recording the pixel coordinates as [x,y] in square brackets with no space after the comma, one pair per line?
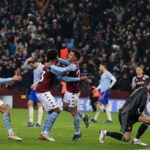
[118,136]
[40,114]
[49,122]
[99,105]
[76,122]
[6,118]
[31,113]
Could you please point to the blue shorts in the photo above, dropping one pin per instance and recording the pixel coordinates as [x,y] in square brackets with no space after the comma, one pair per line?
[103,98]
[32,97]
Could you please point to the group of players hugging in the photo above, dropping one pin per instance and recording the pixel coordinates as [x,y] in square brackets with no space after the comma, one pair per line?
[67,70]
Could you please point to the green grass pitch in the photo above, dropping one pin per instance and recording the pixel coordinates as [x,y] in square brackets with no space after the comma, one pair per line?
[63,132]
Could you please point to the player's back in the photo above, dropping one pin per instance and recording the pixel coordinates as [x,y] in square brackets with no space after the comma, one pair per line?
[74,87]
[105,81]
[46,82]
[135,99]
[37,73]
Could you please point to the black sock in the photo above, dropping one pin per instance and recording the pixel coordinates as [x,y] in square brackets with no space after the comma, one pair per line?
[116,135]
[141,130]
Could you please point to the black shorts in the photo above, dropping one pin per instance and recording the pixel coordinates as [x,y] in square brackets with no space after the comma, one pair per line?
[127,122]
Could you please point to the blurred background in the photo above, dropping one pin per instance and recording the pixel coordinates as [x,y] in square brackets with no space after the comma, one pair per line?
[113,31]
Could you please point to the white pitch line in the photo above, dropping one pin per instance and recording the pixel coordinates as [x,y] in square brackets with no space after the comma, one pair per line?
[143,149]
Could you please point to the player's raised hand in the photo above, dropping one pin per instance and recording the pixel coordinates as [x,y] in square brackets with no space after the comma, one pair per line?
[17,78]
[94,90]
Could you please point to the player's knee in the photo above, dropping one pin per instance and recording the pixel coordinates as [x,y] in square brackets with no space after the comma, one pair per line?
[106,106]
[58,110]
[148,121]
[65,108]
[98,107]
[5,109]
[127,138]
[30,103]
[74,113]
[40,105]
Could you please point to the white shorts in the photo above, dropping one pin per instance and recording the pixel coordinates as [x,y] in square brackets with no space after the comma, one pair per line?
[71,99]
[47,100]
[1,102]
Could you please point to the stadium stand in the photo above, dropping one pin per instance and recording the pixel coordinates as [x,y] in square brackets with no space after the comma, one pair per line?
[115,32]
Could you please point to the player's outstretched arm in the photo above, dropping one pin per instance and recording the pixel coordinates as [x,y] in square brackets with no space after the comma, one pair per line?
[63,61]
[65,78]
[69,79]
[14,78]
[72,79]
[5,80]
[71,67]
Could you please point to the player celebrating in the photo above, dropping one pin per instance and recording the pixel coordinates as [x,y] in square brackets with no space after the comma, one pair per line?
[130,113]
[37,67]
[71,97]
[44,95]
[137,82]
[106,83]
[5,110]
[76,78]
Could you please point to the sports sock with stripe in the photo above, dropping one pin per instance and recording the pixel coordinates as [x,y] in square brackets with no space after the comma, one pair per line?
[76,121]
[6,119]
[50,119]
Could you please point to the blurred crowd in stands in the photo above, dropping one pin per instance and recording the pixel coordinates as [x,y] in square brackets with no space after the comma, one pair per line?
[113,31]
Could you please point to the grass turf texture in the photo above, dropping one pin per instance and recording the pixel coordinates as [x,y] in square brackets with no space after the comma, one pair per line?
[63,132]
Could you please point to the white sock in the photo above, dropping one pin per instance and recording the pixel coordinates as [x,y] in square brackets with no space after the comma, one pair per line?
[108,114]
[10,132]
[31,113]
[40,114]
[97,114]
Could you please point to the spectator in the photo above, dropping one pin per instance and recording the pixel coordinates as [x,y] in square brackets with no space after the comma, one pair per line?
[117,33]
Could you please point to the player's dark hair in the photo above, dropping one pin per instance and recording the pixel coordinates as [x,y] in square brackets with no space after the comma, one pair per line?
[147,82]
[51,55]
[77,53]
[104,64]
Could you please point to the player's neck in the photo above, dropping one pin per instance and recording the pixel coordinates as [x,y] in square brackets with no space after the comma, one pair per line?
[37,64]
[52,62]
[104,70]
[140,75]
